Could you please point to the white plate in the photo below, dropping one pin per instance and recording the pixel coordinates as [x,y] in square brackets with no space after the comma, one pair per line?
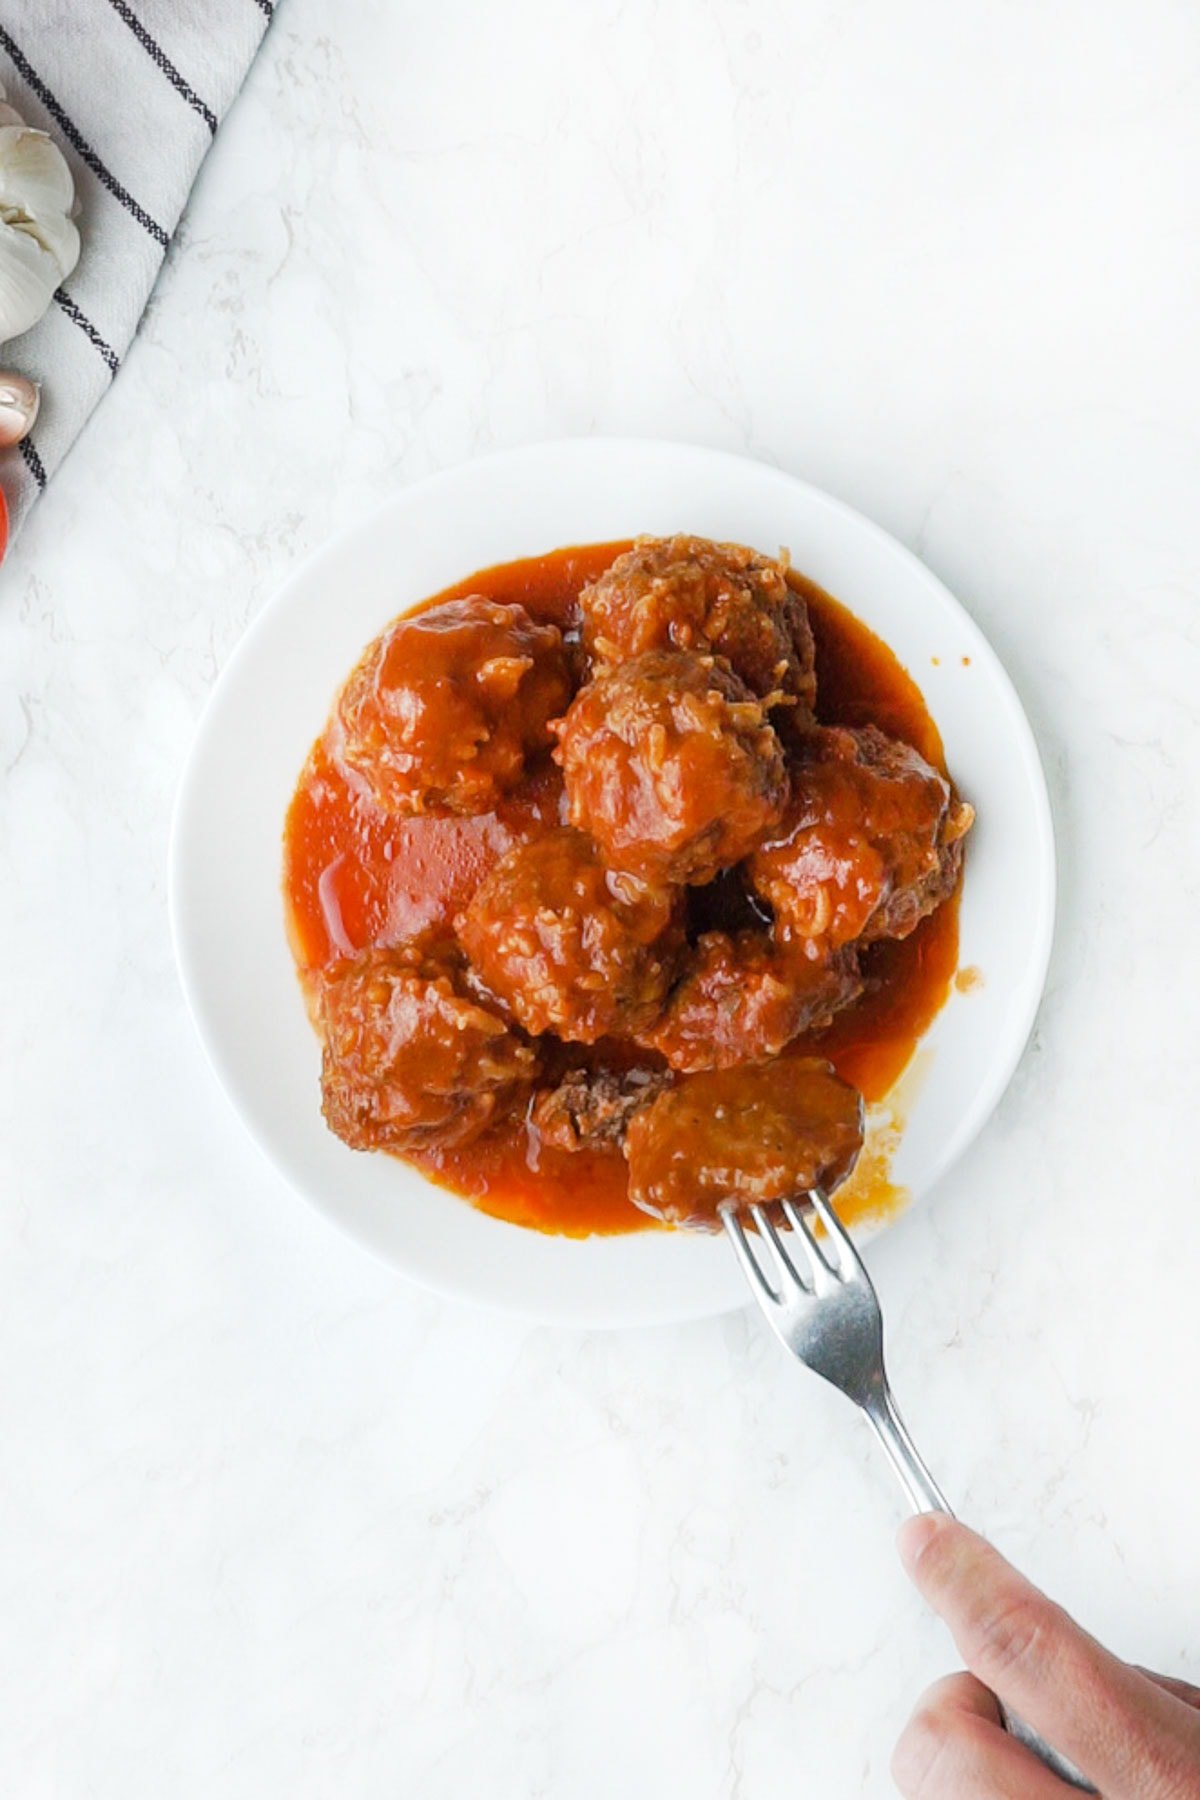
[272,701]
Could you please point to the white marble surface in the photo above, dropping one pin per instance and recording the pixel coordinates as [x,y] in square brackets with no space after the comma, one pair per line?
[274,1524]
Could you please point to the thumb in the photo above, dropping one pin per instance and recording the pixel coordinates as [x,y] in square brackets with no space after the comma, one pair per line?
[1126,1733]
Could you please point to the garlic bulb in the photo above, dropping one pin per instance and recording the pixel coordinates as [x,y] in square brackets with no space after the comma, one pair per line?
[39,244]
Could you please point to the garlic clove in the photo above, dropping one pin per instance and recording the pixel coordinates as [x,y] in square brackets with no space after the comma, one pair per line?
[55,233]
[19,403]
[29,274]
[34,176]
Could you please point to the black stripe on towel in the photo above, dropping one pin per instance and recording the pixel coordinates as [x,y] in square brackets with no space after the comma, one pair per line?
[268,6]
[74,311]
[158,55]
[29,451]
[77,140]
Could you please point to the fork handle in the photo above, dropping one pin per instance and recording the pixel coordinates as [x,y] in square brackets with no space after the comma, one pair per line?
[922,1491]
[924,1495]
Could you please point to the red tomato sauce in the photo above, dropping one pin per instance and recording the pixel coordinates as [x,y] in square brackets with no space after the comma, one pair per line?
[355,876]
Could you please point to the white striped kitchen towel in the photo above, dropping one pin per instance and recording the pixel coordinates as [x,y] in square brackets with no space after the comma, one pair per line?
[132,92]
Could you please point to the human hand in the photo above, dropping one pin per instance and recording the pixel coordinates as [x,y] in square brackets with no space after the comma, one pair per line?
[1135,1735]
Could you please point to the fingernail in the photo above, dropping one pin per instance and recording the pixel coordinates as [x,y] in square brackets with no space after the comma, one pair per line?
[915,1536]
[19,402]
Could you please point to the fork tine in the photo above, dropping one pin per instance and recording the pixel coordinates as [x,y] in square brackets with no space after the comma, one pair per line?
[845,1248]
[765,1227]
[735,1231]
[825,1275]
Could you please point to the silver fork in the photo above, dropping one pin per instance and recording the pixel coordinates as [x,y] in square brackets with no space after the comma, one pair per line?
[822,1306]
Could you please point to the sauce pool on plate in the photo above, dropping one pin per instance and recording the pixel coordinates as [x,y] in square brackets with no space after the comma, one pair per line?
[356,877]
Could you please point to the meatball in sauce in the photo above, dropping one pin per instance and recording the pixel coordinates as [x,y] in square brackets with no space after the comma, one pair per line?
[569,945]
[673,767]
[446,706]
[744,998]
[412,1060]
[871,842]
[685,593]
[759,1134]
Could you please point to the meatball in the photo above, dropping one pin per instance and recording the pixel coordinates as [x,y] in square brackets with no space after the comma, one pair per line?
[671,764]
[758,1134]
[568,945]
[871,842]
[686,593]
[445,706]
[742,998]
[411,1060]
[589,1108]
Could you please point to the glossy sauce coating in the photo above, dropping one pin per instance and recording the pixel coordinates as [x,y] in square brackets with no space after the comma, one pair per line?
[446,706]
[687,593]
[413,1059]
[871,840]
[673,766]
[569,946]
[356,876]
[759,1133]
[745,997]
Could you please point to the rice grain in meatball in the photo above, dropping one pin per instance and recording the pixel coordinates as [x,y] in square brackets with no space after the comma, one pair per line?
[688,593]
[871,842]
[447,705]
[672,765]
[571,946]
[411,1060]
